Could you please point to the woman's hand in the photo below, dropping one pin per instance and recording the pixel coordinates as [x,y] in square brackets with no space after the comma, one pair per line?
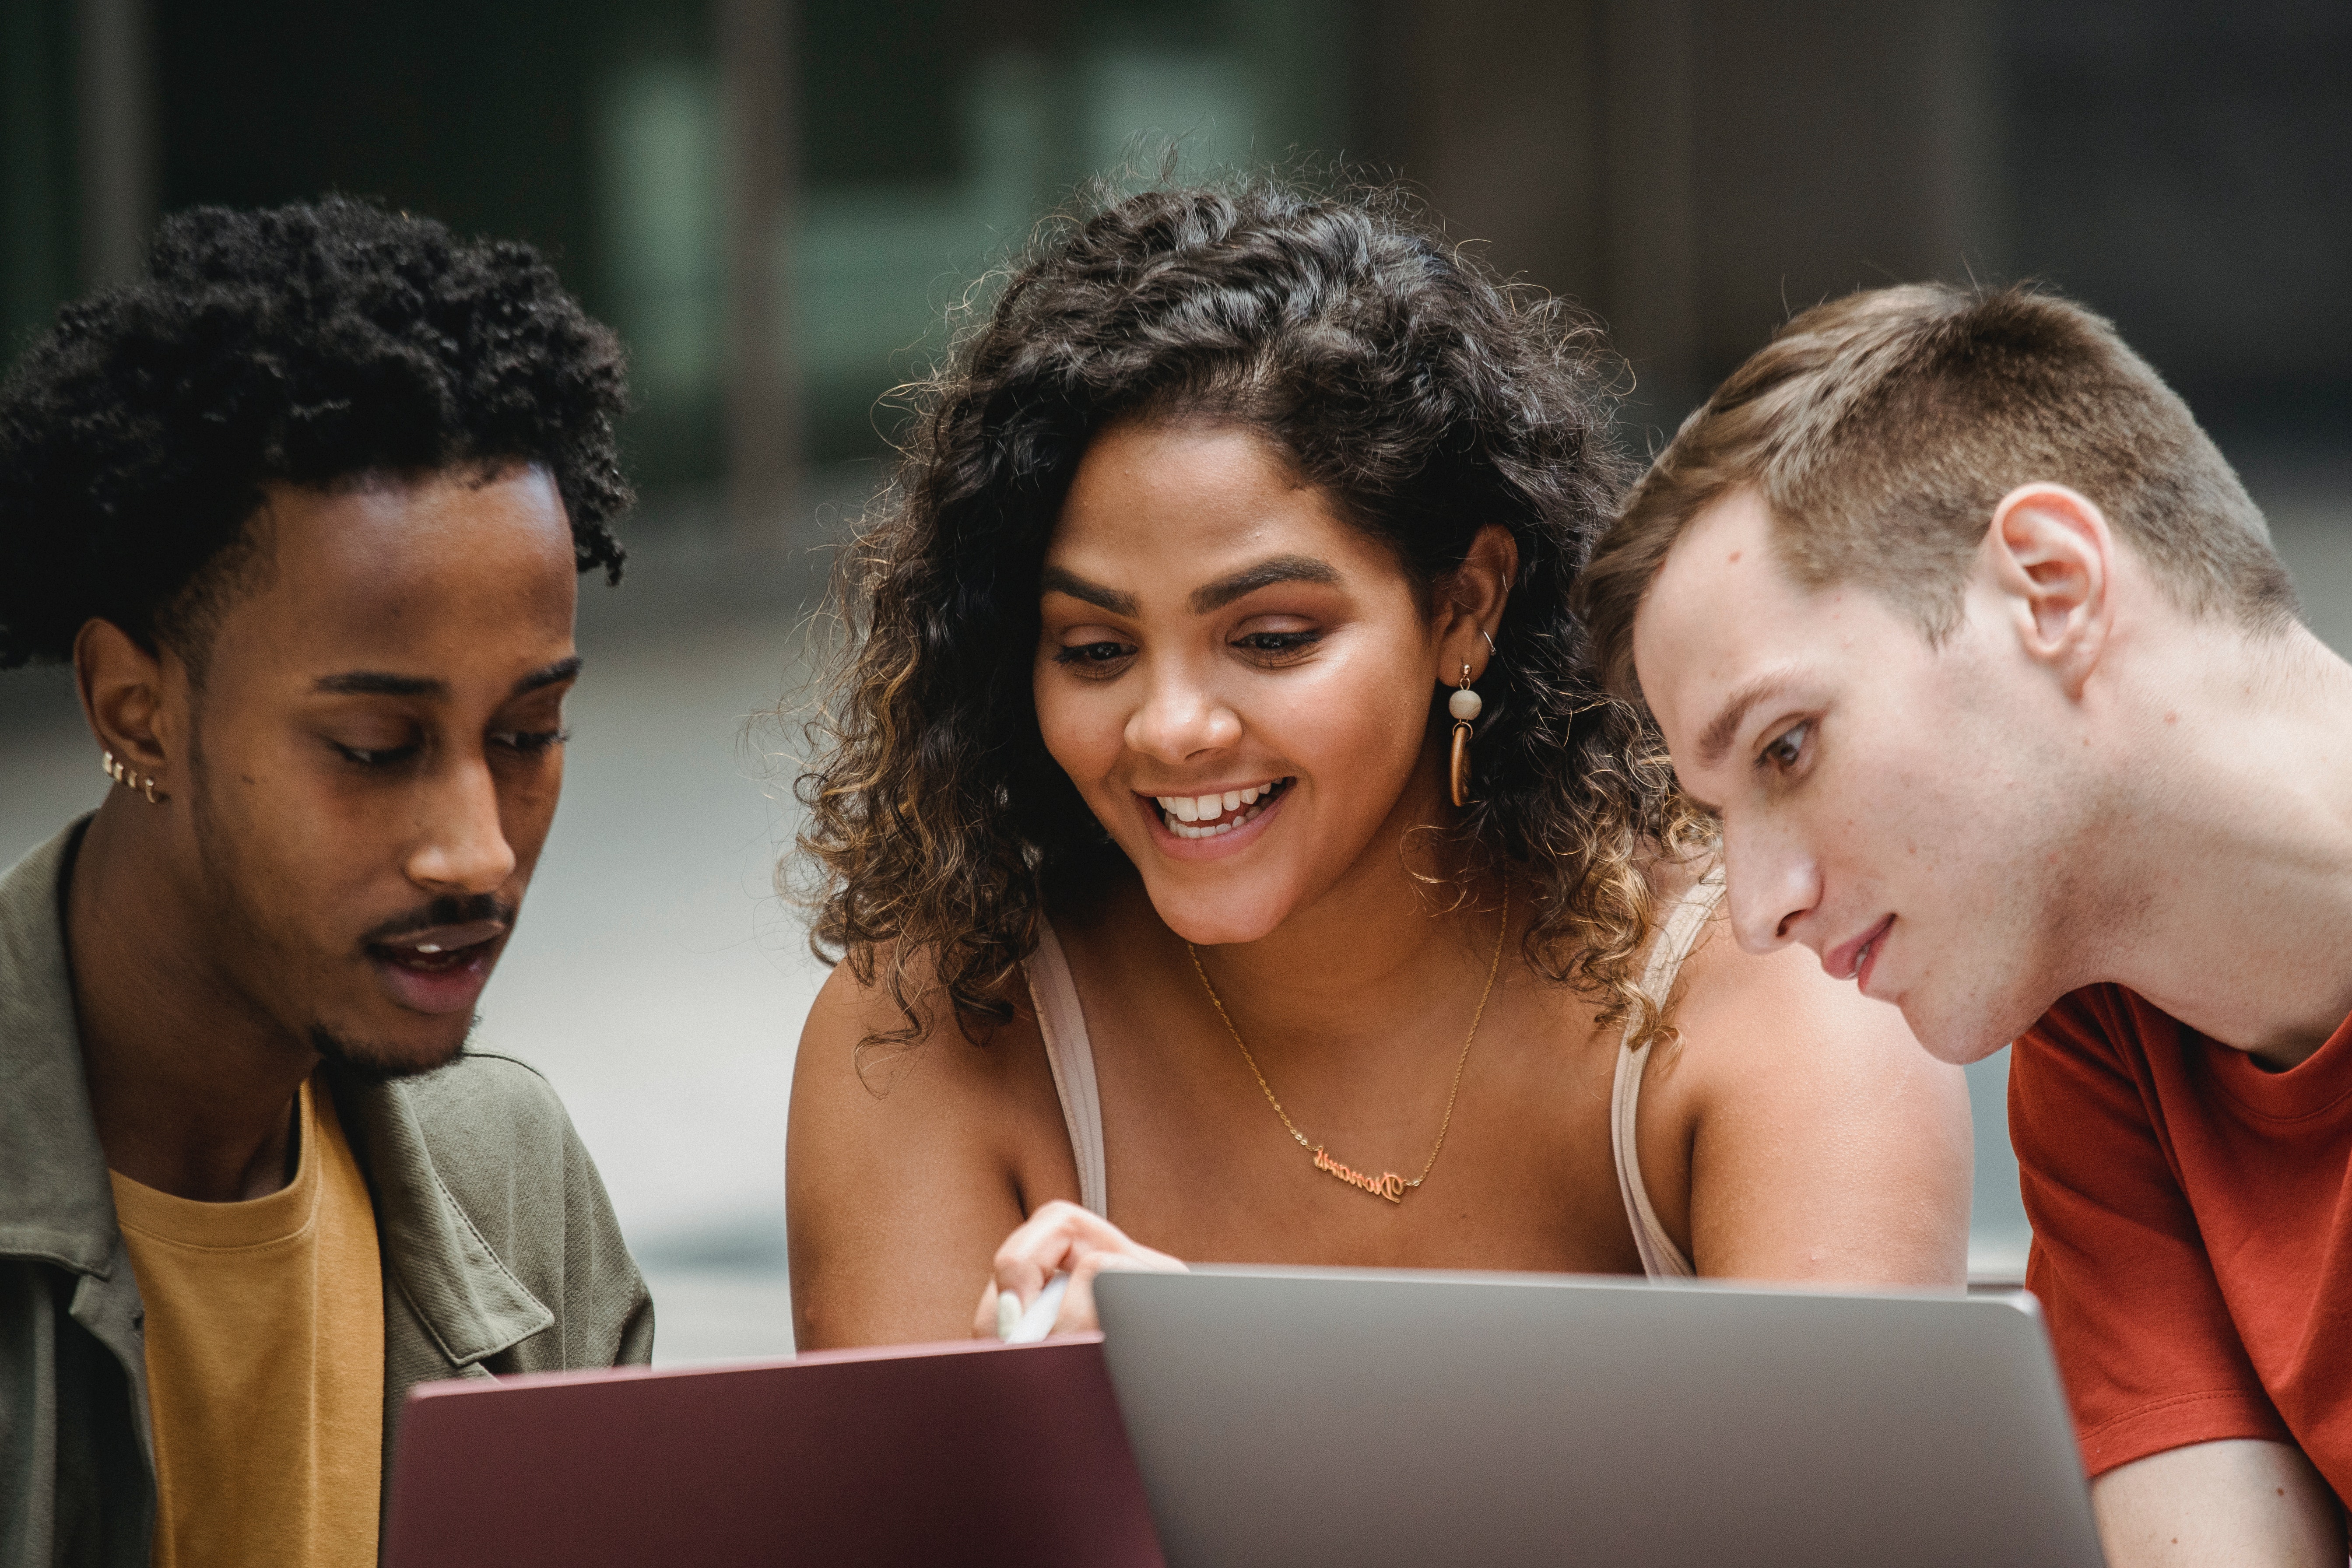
[1063,1238]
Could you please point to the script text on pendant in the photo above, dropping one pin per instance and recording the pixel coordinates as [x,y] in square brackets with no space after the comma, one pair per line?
[1387,1184]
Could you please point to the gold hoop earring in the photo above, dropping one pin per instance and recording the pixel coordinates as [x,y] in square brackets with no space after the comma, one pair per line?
[1465,705]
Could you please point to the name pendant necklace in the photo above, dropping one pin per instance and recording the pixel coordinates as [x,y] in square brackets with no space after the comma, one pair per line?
[1388,1183]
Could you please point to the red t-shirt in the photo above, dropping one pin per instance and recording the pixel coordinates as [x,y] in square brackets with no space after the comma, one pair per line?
[2192,1231]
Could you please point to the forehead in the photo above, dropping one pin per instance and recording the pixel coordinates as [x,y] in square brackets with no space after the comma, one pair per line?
[1149,499]
[1722,614]
[446,569]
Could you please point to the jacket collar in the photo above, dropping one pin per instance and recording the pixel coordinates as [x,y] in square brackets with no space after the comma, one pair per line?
[55,1201]
[471,1304]
[57,1204]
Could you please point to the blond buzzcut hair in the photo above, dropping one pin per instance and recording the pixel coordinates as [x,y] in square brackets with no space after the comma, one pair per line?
[1883,429]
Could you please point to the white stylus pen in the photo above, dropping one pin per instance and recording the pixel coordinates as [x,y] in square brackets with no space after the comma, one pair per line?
[1015,1326]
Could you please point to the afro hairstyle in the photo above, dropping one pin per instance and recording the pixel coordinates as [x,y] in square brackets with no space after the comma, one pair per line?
[306,344]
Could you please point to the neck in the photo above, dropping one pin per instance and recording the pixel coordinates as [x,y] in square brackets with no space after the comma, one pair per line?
[1379,944]
[192,1086]
[2230,901]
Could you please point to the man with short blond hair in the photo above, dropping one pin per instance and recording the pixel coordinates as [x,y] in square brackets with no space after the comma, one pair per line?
[1979,651]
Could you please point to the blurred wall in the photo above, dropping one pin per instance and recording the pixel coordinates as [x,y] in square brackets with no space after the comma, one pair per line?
[39,192]
[1695,170]
[1691,170]
[2186,167]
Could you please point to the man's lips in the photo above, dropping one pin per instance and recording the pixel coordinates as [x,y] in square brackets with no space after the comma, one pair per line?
[437,947]
[440,970]
[1844,961]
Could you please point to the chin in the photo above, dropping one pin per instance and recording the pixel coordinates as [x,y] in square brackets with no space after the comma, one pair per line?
[1216,920]
[1202,929]
[376,1061]
[1958,1035]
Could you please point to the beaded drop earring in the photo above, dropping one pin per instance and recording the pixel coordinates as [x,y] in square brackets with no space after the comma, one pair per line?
[1465,705]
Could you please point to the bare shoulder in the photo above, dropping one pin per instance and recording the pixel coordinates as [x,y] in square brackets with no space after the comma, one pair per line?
[908,1160]
[1822,1141]
[861,1058]
[1779,1010]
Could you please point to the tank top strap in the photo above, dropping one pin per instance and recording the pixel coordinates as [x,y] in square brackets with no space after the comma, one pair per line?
[1660,1258]
[1071,1055]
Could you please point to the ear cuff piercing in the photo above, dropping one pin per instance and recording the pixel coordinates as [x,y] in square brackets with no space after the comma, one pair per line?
[121,774]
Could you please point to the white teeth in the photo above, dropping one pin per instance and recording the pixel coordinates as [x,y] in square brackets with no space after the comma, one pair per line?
[1194,816]
[428,947]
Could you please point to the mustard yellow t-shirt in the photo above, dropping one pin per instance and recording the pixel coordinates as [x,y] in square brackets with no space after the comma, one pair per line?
[264,1362]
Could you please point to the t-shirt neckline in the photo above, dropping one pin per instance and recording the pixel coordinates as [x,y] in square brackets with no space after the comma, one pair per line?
[2313,1085]
[264,1221]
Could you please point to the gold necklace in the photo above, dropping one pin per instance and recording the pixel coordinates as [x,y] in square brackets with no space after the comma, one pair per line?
[1388,1183]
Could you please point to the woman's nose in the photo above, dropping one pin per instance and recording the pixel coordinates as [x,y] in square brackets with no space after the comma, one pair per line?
[1179,718]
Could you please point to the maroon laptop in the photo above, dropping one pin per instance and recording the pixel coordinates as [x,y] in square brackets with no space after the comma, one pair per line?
[973,1453]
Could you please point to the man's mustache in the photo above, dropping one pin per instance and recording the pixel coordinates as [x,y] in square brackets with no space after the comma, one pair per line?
[452,910]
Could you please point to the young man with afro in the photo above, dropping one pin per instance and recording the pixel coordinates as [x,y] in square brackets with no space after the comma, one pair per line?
[305,509]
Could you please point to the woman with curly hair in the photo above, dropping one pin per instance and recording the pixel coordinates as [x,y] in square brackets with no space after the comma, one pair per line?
[1230,853]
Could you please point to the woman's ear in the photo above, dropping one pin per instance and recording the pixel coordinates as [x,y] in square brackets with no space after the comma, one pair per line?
[1470,602]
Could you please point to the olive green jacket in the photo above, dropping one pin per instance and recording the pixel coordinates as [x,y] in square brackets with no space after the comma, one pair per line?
[500,1252]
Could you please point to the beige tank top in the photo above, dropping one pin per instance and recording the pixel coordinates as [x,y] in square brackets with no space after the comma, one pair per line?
[1071,1056]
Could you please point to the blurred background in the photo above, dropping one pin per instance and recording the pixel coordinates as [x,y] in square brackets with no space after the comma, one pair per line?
[781,204]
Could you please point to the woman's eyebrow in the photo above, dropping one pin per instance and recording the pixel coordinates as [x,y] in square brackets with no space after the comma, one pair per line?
[1055,580]
[1216,595]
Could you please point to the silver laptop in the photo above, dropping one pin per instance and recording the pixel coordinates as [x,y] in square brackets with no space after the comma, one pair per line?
[1298,1416]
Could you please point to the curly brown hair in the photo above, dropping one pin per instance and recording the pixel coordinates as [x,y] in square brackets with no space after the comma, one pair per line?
[1425,395]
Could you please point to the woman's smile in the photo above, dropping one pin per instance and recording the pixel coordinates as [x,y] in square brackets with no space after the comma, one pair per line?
[1215,811]
[1212,823]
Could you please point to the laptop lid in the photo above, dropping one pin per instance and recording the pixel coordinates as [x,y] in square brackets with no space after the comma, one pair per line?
[919,1454]
[1283,1416]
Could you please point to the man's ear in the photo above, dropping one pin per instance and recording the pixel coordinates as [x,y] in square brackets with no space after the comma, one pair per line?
[1470,602]
[122,686]
[2052,556]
